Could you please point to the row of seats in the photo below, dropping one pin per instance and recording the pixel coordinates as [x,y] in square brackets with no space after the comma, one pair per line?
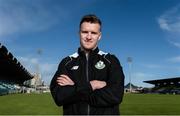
[7,88]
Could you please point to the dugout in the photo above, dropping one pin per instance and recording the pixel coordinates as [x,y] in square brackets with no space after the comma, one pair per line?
[11,70]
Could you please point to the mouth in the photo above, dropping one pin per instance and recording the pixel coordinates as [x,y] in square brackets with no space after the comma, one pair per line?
[88,41]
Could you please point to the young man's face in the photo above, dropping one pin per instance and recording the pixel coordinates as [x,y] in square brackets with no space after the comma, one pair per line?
[90,34]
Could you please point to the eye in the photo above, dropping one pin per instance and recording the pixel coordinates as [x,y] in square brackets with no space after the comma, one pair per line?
[84,31]
[94,33]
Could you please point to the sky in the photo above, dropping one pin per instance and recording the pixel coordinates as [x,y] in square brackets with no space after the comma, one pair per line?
[148,31]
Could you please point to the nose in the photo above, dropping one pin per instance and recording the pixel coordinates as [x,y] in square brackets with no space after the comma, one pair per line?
[88,35]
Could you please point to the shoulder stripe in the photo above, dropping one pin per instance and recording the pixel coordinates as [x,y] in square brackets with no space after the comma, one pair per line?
[75,55]
[68,61]
[107,59]
[102,53]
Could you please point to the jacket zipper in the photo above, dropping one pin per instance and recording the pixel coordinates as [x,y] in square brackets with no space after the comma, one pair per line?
[87,77]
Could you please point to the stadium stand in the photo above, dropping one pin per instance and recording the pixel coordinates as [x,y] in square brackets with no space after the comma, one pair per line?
[134,88]
[165,86]
[12,73]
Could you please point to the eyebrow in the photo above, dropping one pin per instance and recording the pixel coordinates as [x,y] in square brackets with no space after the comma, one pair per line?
[93,32]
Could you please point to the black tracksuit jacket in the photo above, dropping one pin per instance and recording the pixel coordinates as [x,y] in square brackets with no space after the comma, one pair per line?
[80,98]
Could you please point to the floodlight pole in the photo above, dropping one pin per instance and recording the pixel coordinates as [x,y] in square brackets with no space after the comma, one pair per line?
[39,52]
[129,60]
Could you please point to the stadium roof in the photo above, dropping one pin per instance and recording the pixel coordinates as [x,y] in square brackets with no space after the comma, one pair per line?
[11,69]
[132,86]
[167,81]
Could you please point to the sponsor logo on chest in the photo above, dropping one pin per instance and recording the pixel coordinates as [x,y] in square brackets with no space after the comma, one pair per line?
[74,67]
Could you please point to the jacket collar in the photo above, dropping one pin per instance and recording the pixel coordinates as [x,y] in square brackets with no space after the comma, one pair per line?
[91,53]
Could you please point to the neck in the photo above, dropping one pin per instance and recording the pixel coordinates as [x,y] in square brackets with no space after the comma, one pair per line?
[87,50]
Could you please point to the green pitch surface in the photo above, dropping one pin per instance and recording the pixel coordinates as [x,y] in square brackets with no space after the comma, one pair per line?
[150,104]
[28,104]
[133,104]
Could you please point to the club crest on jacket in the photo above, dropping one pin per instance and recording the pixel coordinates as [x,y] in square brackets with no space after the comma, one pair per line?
[100,65]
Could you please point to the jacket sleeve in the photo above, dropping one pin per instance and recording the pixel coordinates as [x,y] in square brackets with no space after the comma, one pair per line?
[64,95]
[112,93]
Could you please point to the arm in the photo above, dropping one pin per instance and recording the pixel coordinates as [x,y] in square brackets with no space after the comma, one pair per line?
[64,80]
[96,84]
[62,94]
[64,91]
[112,93]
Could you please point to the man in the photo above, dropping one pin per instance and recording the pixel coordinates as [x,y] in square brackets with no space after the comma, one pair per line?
[89,82]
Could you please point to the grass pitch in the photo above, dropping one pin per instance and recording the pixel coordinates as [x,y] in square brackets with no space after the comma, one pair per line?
[133,104]
[28,104]
[150,104]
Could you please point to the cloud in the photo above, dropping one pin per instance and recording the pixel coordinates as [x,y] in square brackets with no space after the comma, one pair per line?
[29,63]
[175,43]
[170,20]
[154,66]
[26,60]
[142,75]
[17,16]
[139,77]
[33,65]
[175,59]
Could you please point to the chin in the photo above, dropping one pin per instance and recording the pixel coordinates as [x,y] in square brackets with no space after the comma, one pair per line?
[88,48]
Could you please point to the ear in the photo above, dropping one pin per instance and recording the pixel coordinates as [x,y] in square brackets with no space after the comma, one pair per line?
[100,36]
